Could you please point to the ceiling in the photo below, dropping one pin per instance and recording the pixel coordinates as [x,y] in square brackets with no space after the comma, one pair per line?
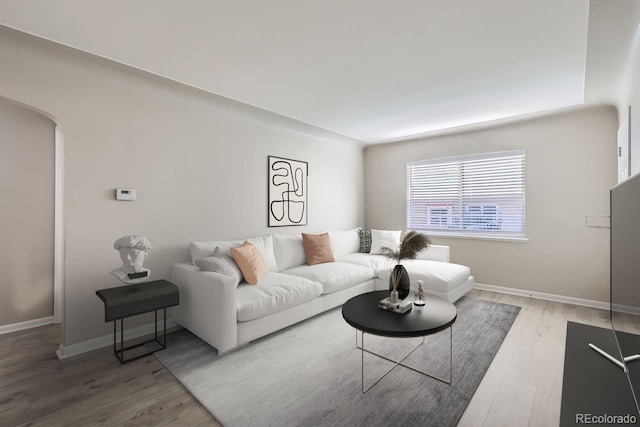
[374,70]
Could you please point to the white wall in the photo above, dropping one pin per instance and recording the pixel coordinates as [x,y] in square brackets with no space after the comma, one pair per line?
[630,96]
[570,166]
[198,162]
[26,186]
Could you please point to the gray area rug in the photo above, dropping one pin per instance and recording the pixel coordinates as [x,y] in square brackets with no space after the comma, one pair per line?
[310,374]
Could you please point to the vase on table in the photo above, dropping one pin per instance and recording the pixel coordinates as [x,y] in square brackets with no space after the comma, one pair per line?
[403,284]
[412,244]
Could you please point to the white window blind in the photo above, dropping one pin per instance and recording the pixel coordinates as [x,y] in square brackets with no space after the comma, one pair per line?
[481,194]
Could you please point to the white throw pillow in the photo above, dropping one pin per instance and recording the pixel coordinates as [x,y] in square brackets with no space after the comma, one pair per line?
[265,245]
[385,238]
[289,251]
[344,242]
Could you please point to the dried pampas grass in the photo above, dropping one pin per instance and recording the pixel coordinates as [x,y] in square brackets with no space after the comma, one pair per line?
[411,245]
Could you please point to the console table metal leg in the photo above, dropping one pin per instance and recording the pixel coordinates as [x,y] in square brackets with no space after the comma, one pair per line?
[122,340]
[114,341]
[164,334]
[119,353]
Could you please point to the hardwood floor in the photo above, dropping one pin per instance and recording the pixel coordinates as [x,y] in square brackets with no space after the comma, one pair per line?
[522,387]
[37,389]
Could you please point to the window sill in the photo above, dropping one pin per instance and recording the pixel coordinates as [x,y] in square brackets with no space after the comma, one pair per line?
[473,236]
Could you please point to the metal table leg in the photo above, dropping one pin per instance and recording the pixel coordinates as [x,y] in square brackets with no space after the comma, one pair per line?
[119,353]
[399,362]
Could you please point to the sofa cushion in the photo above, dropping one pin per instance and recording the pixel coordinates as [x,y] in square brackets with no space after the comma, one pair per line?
[439,276]
[376,262]
[344,242]
[317,248]
[289,251]
[222,263]
[334,276]
[384,238]
[265,245]
[200,250]
[250,262]
[275,292]
[365,241]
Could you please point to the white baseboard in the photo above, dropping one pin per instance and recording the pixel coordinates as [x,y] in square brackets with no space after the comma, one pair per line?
[64,352]
[603,305]
[5,329]
[626,309]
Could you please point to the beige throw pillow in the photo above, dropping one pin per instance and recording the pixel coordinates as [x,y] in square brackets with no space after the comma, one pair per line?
[250,262]
[317,248]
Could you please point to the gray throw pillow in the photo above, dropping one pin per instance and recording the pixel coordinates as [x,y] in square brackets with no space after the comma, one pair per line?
[365,241]
[221,263]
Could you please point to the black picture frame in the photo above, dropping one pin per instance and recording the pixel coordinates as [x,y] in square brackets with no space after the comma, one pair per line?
[287,190]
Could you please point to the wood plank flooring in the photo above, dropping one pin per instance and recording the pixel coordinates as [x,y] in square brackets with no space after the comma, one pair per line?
[37,389]
[522,387]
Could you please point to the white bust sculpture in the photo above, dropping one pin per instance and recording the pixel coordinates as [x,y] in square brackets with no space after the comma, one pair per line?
[133,251]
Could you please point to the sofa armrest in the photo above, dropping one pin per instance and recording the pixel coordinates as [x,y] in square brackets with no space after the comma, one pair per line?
[435,253]
[207,305]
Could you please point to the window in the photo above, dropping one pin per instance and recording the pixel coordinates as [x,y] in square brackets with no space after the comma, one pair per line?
[478,195]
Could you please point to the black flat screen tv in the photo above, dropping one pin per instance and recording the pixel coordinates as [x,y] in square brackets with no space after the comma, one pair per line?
[625,276]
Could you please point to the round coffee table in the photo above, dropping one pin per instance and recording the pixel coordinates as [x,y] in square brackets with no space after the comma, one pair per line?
[436,315]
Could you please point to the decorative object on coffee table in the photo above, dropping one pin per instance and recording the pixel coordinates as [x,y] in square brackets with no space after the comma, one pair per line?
[419,293]
[133,251]
[411,245]
[401,306]
[287,186]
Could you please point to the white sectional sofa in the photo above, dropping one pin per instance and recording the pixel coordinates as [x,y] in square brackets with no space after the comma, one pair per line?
[227,314]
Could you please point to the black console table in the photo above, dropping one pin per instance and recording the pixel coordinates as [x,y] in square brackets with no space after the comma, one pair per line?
[131,300]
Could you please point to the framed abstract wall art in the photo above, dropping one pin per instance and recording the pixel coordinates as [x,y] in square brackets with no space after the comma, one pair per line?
[287,189]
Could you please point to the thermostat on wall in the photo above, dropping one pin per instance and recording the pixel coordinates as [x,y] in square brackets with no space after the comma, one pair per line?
[125,194]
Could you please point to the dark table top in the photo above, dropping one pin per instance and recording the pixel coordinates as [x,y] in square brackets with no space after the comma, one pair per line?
[362,313]
[129,300]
